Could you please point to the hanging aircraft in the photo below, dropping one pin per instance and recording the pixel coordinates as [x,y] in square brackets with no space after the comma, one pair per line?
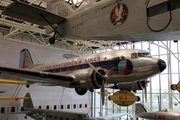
[124,20]
[43,114]
[88,72]
[159,115]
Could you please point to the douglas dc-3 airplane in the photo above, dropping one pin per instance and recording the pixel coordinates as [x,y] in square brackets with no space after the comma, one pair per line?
[106,20]
[88,72]
[41,114]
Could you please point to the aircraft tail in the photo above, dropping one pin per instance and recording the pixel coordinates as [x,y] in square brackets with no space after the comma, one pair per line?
[139,108]
[28,102]
[25,59]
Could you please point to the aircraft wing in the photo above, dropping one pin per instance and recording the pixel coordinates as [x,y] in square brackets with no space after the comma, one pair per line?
[31,14]
[34,76]
[110,117]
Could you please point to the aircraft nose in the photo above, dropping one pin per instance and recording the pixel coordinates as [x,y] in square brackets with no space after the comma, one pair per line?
[161,64]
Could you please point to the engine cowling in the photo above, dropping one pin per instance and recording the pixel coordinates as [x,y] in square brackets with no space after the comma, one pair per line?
[139,85]
[87,79]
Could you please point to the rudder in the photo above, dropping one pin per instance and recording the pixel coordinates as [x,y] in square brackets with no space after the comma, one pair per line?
[25,59]
[28,102]
[139,108]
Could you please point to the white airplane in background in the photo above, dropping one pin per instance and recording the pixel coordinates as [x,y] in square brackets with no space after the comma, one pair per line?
[159,115]
[88,72]
[42,114]
[124,20]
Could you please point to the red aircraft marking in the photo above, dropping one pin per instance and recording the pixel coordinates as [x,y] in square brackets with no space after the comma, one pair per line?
[160,116]
[24,59]
[125,68]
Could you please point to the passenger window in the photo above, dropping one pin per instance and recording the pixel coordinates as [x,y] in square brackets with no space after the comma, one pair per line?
[55,107]
[133,55]
[12,109]
[68,106]
[39,107]
[47,107]
[2,110]
[80,106]
[61,106]
[74,106]
[85,105]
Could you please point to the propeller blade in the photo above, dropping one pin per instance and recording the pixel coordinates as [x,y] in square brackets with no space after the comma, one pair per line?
[94,68]
[102,93]
[110,71]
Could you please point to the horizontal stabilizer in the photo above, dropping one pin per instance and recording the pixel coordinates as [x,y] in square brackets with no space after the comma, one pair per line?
[31,14]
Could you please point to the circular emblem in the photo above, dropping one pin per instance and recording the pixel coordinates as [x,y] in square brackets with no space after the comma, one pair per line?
[125,67]
[119,14]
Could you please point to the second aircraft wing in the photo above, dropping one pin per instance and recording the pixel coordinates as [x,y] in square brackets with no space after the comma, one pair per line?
[30,13]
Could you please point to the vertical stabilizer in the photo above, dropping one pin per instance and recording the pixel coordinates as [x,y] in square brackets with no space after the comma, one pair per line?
[28,102]
[25,59]
[60,7]
[139,108]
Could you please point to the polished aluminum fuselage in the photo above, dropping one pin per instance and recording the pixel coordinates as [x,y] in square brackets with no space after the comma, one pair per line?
[141,67]
[161,115]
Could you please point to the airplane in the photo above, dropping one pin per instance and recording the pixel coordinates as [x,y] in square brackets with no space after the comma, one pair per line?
[88,72]
[159,115]
[124,20]
[43,114]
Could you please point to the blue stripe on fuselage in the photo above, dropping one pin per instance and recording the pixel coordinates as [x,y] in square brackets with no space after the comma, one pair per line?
[103,64]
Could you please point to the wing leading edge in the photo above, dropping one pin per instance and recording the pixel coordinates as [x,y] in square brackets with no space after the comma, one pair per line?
[33,76]
[31,14]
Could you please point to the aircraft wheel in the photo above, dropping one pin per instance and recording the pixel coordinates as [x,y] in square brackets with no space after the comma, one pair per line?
[80,91]
[52,40]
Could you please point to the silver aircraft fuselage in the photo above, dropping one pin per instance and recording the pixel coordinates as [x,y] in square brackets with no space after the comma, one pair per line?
[130,65]
[161,115]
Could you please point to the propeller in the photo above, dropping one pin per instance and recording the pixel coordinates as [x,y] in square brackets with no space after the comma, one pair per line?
[104,80]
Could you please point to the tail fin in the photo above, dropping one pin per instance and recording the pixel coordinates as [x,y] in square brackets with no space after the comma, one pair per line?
[25,59]
[60,7]
[28,102]
[139,108]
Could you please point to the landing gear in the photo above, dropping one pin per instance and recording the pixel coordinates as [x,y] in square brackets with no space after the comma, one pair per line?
[52,40]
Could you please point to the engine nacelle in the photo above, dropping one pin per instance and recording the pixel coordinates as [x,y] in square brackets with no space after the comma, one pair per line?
[87,79]
[139,85]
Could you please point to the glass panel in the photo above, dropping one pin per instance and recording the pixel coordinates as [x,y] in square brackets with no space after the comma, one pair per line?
[164,101]
[155,84]
[154,49]
[137,45]
[155,102]
[133,55]
[164,83]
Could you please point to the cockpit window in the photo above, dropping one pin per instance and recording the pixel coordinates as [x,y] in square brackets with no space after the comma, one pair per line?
[133,55]
[144,55]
